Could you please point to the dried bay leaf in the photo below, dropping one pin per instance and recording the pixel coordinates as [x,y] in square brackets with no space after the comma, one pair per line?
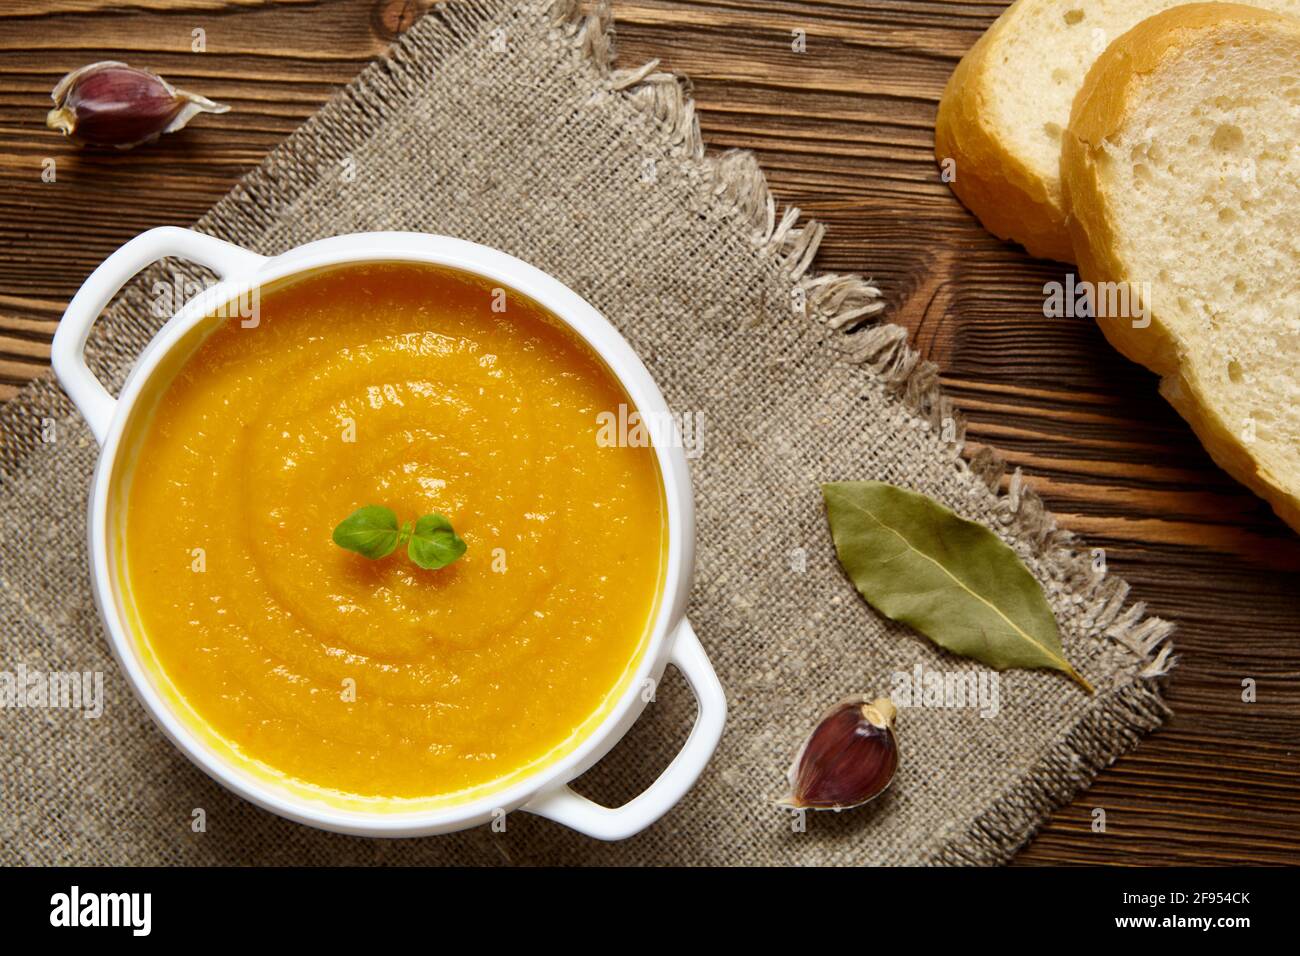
[955,581]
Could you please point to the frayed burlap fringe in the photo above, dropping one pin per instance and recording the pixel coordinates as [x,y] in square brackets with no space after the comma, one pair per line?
[847,303]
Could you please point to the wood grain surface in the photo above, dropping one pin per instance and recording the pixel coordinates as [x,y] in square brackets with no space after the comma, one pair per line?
[844,130]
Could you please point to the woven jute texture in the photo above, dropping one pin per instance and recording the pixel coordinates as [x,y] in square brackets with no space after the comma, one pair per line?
[506,124]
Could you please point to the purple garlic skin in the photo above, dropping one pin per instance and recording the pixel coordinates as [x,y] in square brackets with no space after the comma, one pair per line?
[849,759]
[112,104]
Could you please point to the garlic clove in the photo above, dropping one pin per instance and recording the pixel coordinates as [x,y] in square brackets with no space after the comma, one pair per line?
[849,758]
[112,104]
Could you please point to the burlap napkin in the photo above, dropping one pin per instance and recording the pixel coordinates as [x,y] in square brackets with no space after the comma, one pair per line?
[503,123]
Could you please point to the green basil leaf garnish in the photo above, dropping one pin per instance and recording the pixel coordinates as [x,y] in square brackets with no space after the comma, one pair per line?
[433,543]
[370,531]
[374,532]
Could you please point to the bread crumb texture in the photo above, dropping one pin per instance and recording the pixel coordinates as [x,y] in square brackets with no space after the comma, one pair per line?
[1182,165]
[1019,84]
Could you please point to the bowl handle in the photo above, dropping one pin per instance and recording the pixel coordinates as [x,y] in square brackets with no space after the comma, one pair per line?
[563,805]
[68,353]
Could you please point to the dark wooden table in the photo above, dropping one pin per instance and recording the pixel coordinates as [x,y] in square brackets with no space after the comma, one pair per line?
[844,130]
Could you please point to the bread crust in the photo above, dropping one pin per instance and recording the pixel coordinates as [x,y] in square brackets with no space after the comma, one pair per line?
[1007,197]
[1100,111]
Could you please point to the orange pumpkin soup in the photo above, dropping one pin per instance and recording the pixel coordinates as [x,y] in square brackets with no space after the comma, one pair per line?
[425,390]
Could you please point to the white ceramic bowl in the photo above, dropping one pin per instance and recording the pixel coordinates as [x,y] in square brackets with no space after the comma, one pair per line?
[545,792]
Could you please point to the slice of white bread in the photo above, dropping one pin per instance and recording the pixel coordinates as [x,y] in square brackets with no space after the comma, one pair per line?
[1181,170]
[1007,104]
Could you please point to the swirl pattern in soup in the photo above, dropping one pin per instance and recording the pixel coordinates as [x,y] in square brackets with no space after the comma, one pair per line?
[403,385]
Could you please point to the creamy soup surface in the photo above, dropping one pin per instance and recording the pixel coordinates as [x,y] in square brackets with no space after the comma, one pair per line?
[406,386]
